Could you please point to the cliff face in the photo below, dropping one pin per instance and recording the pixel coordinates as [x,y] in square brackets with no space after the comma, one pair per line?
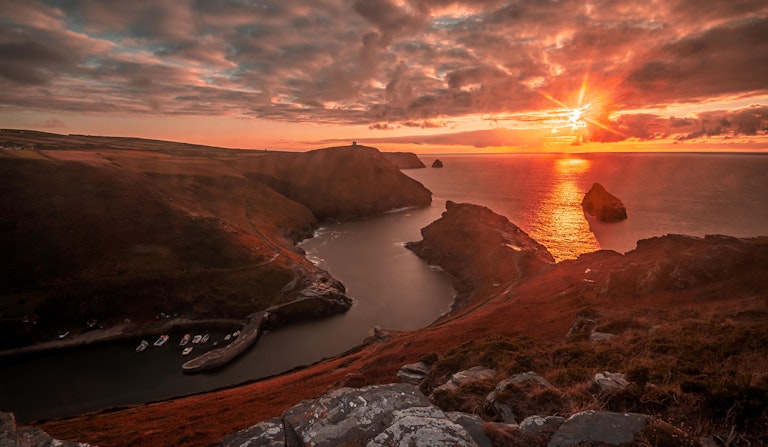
[115,234]
[339,182]
[404,160]
[479,247]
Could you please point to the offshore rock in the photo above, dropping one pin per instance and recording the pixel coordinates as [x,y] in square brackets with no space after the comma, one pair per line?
[599,427]
[437,163]
[404,160]
[479,247]
[605,206]
[12,436]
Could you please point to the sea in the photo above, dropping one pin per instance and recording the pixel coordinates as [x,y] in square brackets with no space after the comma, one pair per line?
[694,194]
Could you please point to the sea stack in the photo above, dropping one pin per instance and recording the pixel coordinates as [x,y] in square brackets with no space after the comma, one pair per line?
[437,163]
[603,205]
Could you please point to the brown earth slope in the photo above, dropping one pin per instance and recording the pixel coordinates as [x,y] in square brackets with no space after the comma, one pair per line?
[689,318]
[107,234]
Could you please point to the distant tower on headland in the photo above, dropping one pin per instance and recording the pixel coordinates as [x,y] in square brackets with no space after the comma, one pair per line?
[354,143]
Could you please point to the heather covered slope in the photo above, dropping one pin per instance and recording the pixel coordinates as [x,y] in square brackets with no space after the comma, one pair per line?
[108,234]
[688,319]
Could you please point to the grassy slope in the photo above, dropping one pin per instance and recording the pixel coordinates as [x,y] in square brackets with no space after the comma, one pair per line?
[705,356]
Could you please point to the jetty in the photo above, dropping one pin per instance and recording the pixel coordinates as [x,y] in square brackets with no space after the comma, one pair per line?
[219,357]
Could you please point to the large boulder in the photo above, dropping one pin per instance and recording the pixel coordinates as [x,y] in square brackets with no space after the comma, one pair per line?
[603,205]
[264,434]
[479,247]
[598,427]
[422,427]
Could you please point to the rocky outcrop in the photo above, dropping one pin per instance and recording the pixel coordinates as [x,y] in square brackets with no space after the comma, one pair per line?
[478,246]
[608,382]
[506,398]
[339,182]
[376,416]
[675,262]
[603,205]
[324,297]
[13,436]
[599,427]
[414,373]
[437,163]
[404,160]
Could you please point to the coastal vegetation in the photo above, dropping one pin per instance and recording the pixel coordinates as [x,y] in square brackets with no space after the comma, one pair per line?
[683,319]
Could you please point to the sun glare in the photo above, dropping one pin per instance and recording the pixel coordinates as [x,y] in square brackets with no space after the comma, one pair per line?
[580,115]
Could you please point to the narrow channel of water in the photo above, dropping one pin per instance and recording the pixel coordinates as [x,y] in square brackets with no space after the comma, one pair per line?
[392,288]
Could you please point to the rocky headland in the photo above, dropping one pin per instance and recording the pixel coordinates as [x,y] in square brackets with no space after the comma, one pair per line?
[108,238]
[664,345]
[404,160]
[437,163]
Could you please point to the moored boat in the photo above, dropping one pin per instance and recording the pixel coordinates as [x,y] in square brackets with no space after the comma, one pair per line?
[197,339]
[142,346]
[186,350]
[205,338]
[161,341]
[184,340]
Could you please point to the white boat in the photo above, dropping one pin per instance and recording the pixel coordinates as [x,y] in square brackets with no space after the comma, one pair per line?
[63,335]
[197,339]
[227,337]
[161,341]
[235,334]
[142,346]
[205,338]
[186,350]
[184,340]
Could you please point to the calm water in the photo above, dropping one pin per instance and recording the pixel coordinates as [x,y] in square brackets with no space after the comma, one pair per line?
[691,194]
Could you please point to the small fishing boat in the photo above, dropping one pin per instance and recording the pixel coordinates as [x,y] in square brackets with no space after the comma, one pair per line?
[227,337]
[184,340]
[63,335]
[205,338]
[235,334]
[161,341]
[142,346]
[186,350]
[197,339]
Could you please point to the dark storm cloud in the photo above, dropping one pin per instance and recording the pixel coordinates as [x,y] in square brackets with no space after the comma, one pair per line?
[746,122]
[382,63]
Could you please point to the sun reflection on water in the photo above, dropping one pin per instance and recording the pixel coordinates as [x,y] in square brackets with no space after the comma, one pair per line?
[558,221]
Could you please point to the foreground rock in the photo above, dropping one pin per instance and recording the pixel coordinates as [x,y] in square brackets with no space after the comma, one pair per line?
[478,246]
[12,436]
[404,160]
[437,163]
[599,427]
[382,415]
[605,206]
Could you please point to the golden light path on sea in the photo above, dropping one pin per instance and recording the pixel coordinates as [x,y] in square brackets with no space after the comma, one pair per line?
[558,221]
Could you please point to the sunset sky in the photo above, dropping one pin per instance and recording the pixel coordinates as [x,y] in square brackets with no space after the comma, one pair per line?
[417,75]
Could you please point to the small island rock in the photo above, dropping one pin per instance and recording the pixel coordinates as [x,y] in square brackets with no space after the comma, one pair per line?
[437,163]
[601,204]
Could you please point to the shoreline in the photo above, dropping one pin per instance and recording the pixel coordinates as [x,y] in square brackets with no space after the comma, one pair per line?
[123,332]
